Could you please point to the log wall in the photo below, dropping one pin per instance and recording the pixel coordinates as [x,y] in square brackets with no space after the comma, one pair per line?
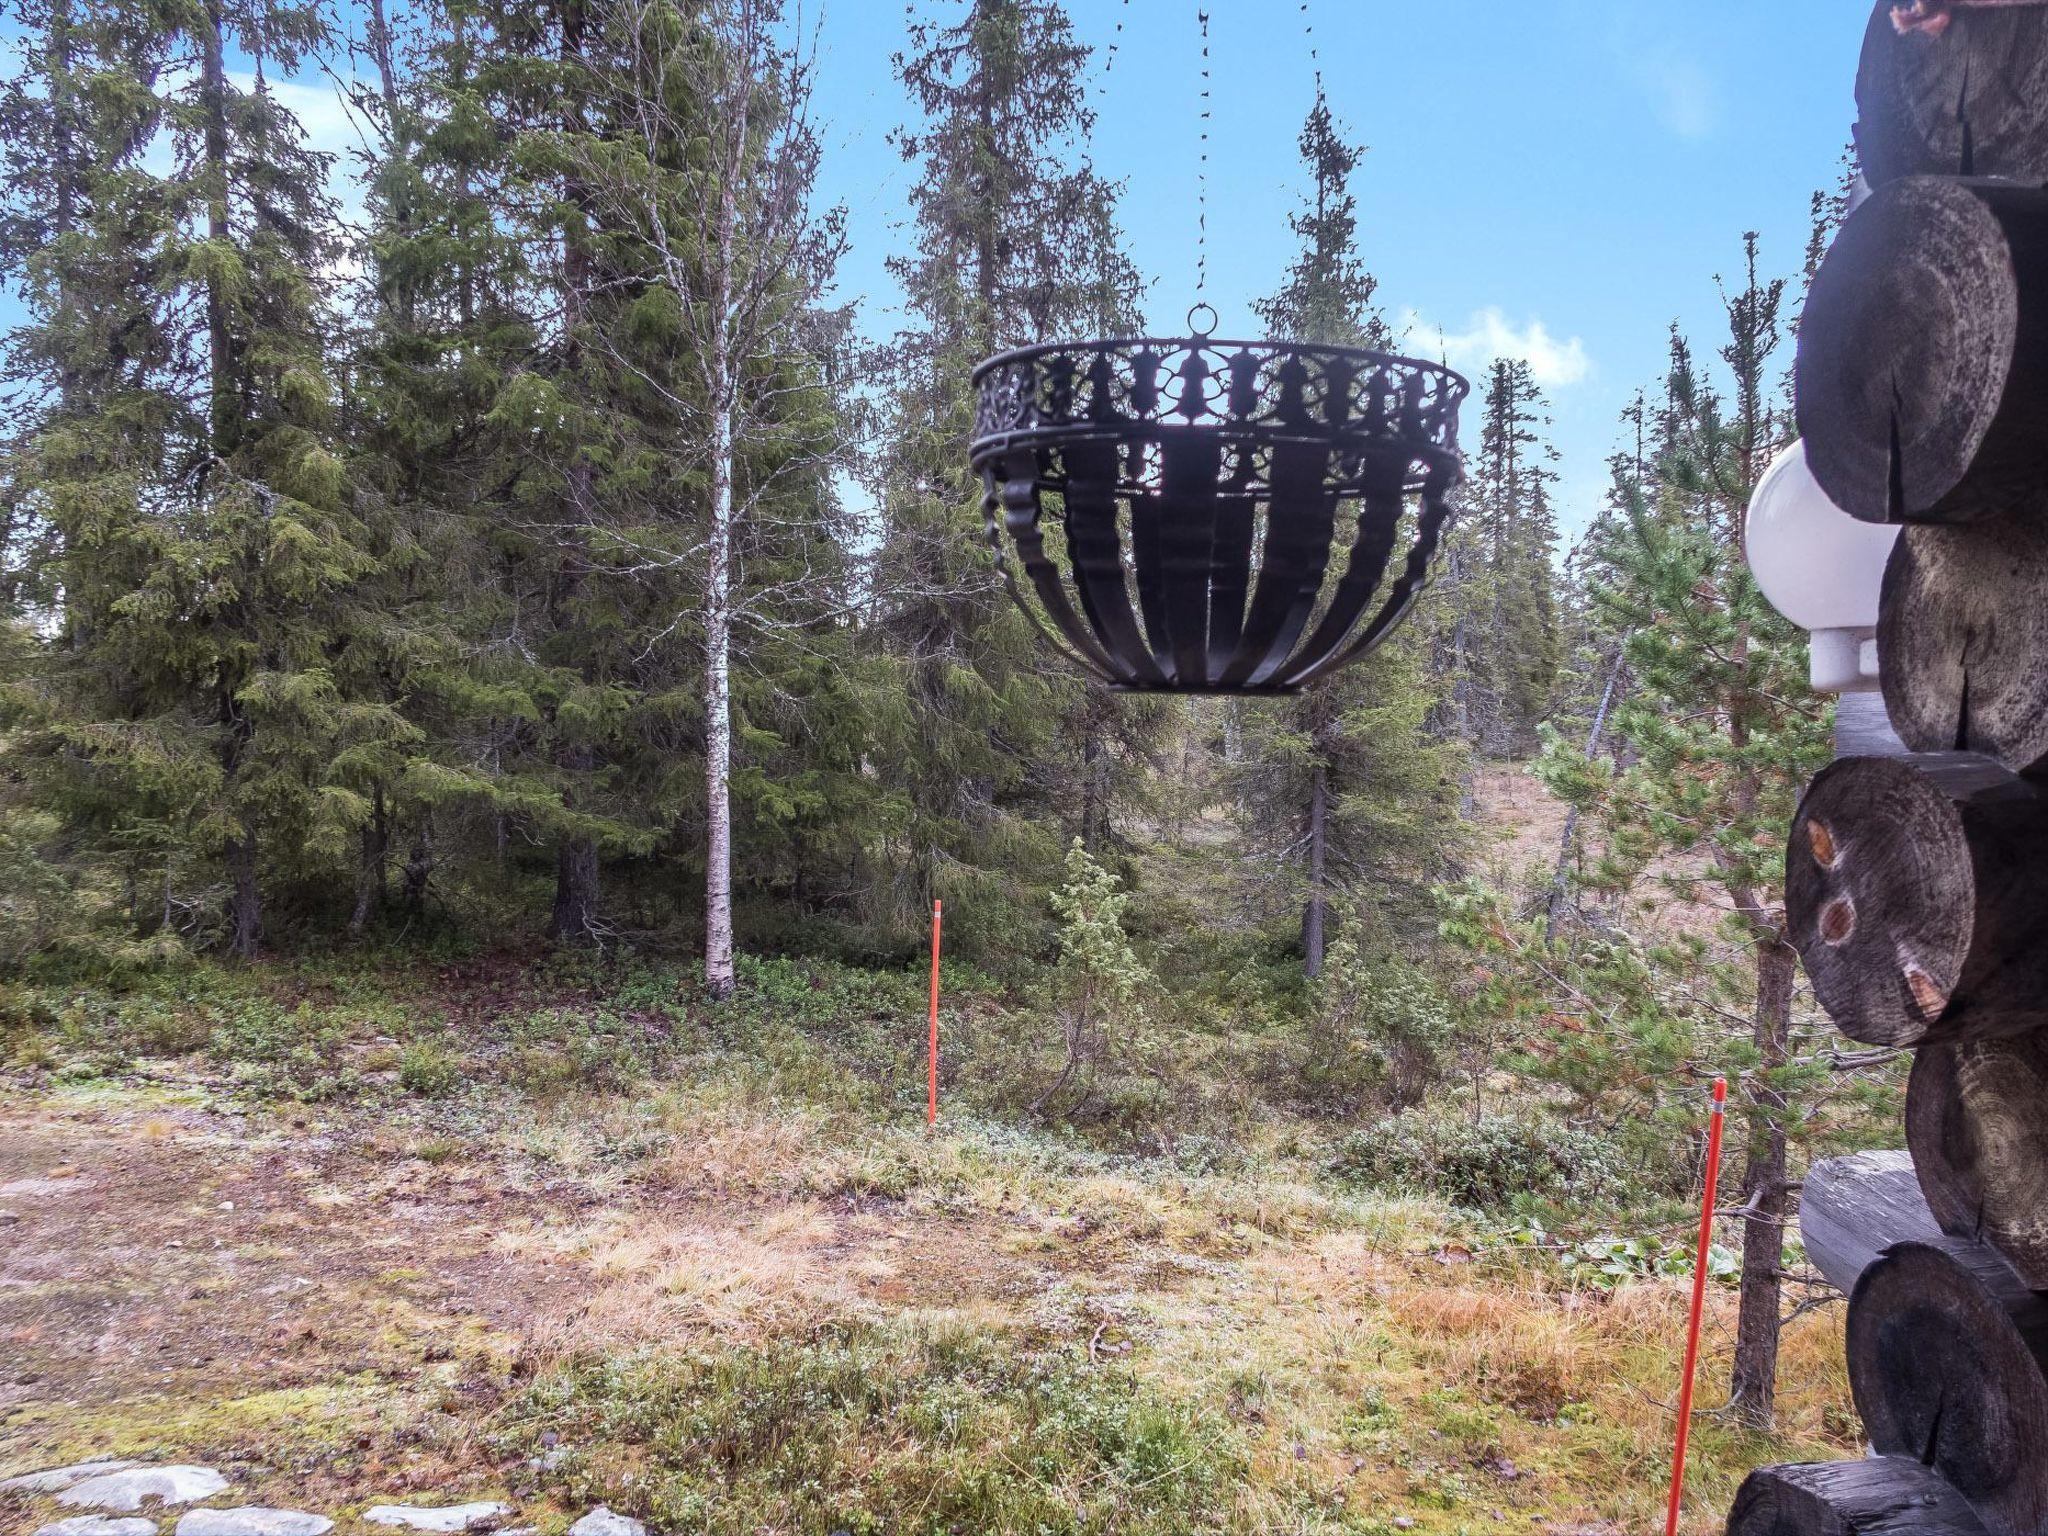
[1917,881]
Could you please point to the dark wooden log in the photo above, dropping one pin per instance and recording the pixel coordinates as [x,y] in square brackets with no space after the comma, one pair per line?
[1969,100]
[1948,1361]
[1963,634]
[1854,1208]
[1882,1496]
[1916,891]
[1977,1121]
[1922,372]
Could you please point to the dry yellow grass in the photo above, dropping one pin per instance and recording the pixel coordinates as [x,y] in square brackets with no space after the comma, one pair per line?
[1370,1359]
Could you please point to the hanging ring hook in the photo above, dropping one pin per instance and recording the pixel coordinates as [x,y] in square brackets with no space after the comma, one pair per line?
[1198,329]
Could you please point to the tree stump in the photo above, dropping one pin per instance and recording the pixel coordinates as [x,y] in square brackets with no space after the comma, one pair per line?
[1883,1496]
[1946,1360]
[1922,370]
[1915,894]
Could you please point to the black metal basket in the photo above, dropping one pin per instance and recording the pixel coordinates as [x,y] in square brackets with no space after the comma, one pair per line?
[1198,487]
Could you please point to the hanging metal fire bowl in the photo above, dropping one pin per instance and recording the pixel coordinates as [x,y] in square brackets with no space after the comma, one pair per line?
[1176,506]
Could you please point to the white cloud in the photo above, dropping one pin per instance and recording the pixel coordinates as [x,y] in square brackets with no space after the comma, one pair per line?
[324,114]
[1682,94]
[1555,363]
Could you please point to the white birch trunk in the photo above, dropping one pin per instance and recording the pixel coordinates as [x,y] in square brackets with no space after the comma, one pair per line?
[718,967]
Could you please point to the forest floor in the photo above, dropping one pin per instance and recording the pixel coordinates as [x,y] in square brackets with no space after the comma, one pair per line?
[862,1328]
[360,1237]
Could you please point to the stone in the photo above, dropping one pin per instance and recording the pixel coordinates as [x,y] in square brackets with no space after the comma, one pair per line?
[29,1191]
[602,1522]
[253,1520]
[57,1479]
[448,1517]
[131,1488]
[98,1525]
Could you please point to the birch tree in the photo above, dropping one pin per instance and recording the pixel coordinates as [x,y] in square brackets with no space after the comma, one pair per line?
[713,173]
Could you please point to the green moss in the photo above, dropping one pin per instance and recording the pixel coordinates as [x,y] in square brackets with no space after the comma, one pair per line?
[292,1424]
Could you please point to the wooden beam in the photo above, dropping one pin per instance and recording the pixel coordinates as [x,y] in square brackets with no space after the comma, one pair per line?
[1881,1496]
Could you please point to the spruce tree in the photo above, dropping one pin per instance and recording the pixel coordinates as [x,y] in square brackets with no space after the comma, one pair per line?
[1505,546]
[994,749]
[1345,798]
[207,555]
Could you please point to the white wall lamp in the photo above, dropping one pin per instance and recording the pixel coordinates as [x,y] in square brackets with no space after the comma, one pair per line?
[1820,568]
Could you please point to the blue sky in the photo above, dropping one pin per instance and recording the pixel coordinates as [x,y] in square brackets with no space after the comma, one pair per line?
[1558,179]
[1555,178]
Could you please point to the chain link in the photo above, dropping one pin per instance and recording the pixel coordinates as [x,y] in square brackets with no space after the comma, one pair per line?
[1202,172]
[1315,52]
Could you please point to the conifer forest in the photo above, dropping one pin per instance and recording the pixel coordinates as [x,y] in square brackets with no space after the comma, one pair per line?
[500,654]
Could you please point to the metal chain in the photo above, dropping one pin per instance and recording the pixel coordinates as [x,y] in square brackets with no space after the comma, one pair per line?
[1202,173]
[1315,53]
[1116,41]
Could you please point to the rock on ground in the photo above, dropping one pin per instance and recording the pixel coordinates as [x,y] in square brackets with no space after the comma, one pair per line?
[602,1522]
[449,1517]
[128,1489]
[253,1520]
[57,1479]
[98,1525]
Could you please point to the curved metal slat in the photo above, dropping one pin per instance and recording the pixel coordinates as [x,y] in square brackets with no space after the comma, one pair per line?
[1187,535]
[1436,517]
[1096,553]
[1230,575]
[1018,494]
[1379,524]
[1148,571]
[1301,520]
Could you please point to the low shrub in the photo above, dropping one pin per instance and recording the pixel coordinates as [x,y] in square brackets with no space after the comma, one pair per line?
[866,1428]
[426,1069]
[1496,1161]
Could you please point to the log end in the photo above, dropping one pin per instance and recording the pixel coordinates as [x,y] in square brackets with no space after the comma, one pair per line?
[1962,99]
[1964,638]
[1878,886]
[1943,1373]
[1905,347]
[1977,1121]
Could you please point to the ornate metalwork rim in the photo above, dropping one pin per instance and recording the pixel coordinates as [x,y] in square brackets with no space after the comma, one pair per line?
[1429,433]
[1198,433]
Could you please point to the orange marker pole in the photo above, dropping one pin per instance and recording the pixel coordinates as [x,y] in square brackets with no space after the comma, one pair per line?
[931,1112]
[1699,1301]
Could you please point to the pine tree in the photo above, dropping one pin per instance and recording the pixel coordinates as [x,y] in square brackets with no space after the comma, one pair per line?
[1721,737]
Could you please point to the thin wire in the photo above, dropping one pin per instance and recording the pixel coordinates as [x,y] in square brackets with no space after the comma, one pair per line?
[1202,174]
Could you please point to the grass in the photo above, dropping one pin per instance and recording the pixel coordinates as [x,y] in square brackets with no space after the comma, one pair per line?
[916,1424]
[784,1306]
